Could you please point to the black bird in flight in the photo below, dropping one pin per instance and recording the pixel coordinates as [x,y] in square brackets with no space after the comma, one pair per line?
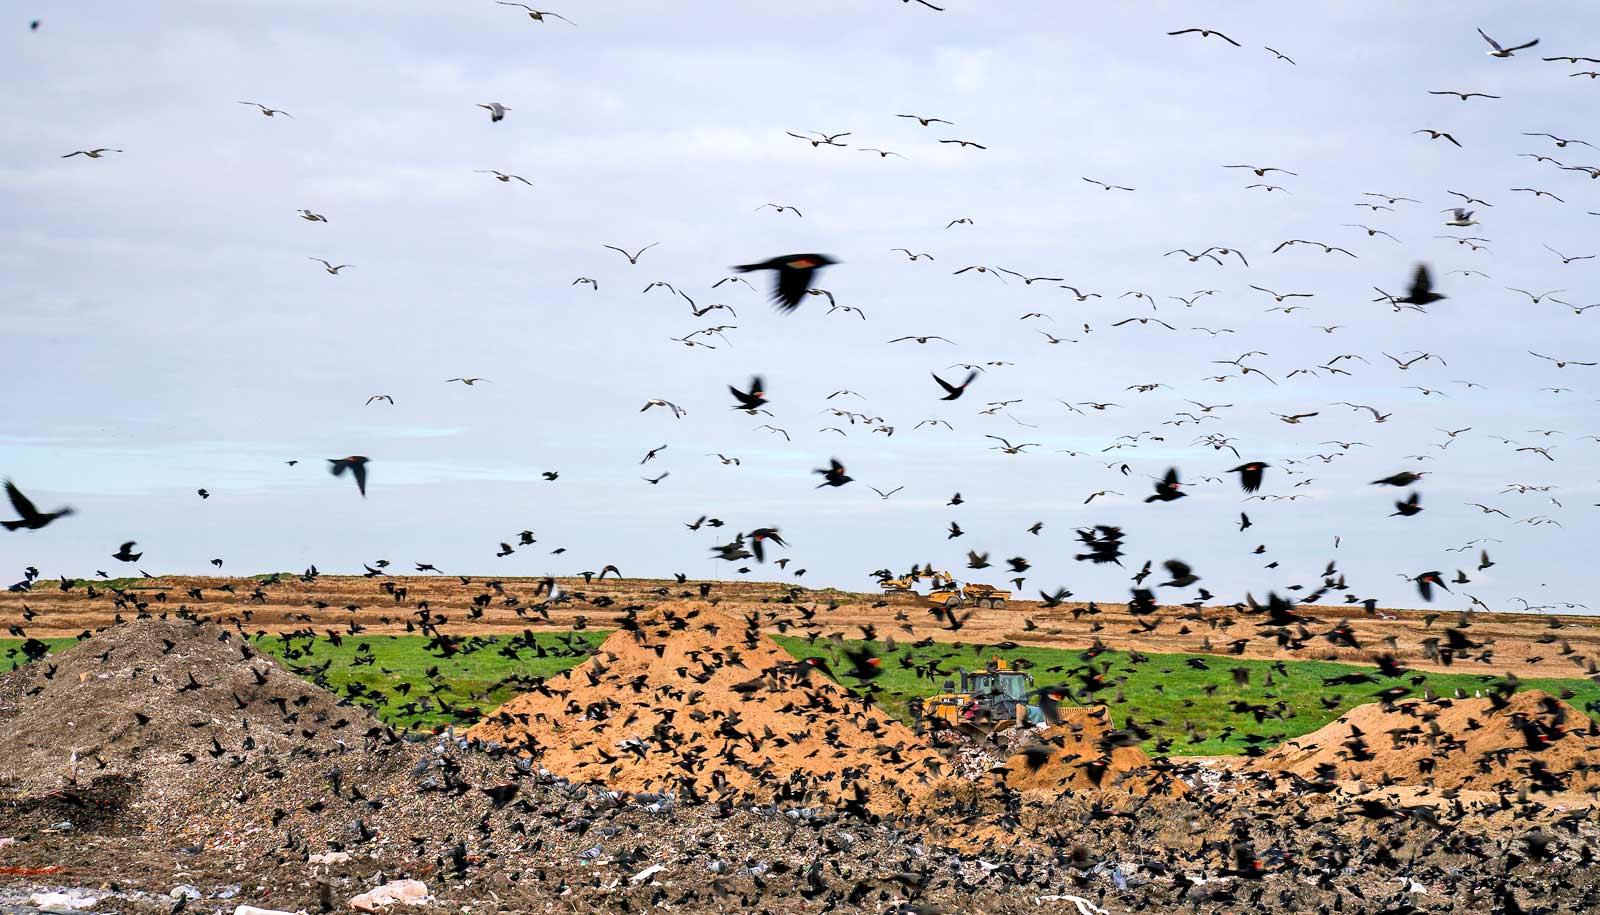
[31,518]
[1167,488]
[795,272]
[954,392]
[751,400]
[834,475]
[357,465]
[125,553]
[1250,475]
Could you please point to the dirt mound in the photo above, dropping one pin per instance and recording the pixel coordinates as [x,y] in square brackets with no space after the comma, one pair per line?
[688,700]
[154,698]
[1491,744]
[1082,753]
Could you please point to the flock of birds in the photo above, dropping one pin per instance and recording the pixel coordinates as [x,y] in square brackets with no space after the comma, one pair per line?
[796,279]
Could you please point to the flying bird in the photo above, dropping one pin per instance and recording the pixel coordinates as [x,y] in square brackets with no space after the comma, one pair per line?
[794,275]
[1499,51]
[357,465]
[538,15]
[30,518]
[1207,33]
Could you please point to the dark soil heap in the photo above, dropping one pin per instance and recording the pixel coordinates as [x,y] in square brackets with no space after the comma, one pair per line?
[1528,739]
[691,701]
[161,701]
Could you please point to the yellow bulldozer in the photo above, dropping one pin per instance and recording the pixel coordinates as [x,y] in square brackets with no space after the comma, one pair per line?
[998,694]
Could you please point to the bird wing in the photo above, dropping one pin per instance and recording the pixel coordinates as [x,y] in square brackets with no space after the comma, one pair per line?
[791,285]
[1492,43]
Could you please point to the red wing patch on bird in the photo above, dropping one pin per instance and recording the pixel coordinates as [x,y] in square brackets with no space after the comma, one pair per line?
[801,263]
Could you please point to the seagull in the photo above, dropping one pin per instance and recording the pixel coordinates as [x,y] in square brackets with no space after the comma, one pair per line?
[1207,33]
[269,112]
[538,15]
[1261,171]
[779,207]
[91,153]
[330,267]
[1461,95]
[380,397]
[632,258]
[925,121]
[1436,134]
[469,382]
[1104,186]
[309,216]
[502,176]
[677,411]
[497,111]
[1280,55]
[1567,260]
[1461,217]
[1504,52]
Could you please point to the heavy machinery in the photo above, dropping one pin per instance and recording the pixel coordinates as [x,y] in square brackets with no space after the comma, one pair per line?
[998,694]
[976,594]
[906,585]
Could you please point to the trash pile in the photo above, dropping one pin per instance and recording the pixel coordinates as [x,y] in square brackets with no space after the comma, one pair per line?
[689,701]
[1086,753]
[1503,742]
[158,701]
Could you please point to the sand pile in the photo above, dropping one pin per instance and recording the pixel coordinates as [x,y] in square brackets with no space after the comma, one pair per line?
[156,698]
[1082,754]
[688,700]
[1493,744]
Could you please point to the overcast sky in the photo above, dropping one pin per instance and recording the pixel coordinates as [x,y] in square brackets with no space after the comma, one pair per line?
[166,331]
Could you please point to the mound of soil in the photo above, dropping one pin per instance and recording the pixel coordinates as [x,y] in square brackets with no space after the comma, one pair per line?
[151,699]
[1530,738]
[688,700]
[1085,753]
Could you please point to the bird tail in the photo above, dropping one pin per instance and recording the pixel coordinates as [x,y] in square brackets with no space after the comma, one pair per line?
[747,268]
[12,525]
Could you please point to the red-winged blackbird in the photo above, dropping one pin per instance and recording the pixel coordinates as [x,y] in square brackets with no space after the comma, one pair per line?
[1250,475]
[834,475]
[1408,506]
[759,536]
[954,392]
[1421,291]
[357,465]
[1167,488]
[752,400]
[794,276]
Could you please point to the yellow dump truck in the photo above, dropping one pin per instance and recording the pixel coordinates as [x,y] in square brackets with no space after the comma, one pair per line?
[977,595]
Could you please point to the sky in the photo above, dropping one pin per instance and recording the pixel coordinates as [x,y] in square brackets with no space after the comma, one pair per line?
[167,331]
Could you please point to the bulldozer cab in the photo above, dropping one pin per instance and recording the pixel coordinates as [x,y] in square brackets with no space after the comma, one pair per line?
[1012,684]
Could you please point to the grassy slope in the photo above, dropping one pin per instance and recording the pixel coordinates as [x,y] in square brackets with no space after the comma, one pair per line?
[1165,688]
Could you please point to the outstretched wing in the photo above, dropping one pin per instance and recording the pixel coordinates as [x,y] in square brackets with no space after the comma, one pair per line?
[20,502]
